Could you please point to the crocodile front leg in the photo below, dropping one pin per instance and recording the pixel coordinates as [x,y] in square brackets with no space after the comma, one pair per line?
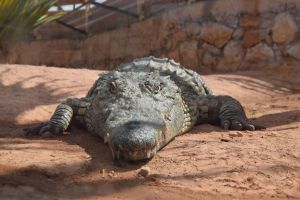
[72,110]
[57,124]
[225,111]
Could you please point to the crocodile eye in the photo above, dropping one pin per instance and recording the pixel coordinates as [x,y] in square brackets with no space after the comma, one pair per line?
[116,86]
[156,89]
[153,88]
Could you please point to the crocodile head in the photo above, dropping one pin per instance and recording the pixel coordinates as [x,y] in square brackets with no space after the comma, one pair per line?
[137,113]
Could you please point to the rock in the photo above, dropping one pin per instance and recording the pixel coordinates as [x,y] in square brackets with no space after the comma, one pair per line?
[111,174]
[179,37]
[174,55]
[228,19]
[144,172]
[267,20]
[250,21]
[193,29]
[232,21]
[259,55]
[233,56]
[215,34]
[200,52]
[209,59]
[279,60]
[211,49]
[188,53]
[238,34]
[168,44]
[103,172]
[268,39]
[233,52]
[209,55]
[284,29]
[253,37]
[294,51]
[172,25]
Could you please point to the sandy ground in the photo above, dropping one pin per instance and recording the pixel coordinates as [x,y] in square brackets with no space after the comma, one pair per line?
[206,163]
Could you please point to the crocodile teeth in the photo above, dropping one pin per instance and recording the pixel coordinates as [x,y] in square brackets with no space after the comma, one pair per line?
[148,154]
[106,138]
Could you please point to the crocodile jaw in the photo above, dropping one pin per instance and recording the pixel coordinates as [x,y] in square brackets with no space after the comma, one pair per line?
[136,140]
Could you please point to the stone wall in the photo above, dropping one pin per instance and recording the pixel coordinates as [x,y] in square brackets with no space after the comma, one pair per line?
[209,36]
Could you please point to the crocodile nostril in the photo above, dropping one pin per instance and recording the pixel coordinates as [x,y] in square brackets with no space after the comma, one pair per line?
[136,140]
[133,125]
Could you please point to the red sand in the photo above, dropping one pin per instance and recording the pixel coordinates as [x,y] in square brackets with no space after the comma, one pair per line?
[197,165]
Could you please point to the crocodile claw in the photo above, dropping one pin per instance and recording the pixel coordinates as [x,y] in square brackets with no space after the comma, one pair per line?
[43,129]
[232,116]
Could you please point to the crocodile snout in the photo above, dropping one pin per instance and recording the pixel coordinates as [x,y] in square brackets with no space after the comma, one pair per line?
[136,140]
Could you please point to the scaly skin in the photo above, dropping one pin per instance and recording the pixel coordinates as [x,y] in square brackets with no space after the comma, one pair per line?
[141,106]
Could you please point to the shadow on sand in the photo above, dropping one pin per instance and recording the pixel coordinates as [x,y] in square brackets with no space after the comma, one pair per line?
[40,94]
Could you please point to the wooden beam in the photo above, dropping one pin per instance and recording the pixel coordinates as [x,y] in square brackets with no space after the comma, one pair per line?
[125,12]
[141,9]
[68,2]
[72,27]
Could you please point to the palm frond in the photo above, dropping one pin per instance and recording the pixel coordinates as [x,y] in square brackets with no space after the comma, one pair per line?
[18,17]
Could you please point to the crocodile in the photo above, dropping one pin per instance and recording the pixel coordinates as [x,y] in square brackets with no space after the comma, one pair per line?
[141,106]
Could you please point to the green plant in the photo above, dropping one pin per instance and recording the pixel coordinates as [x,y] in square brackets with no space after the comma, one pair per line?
[18,17]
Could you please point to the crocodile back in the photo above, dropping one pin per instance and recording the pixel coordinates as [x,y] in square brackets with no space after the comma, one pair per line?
[169,67]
